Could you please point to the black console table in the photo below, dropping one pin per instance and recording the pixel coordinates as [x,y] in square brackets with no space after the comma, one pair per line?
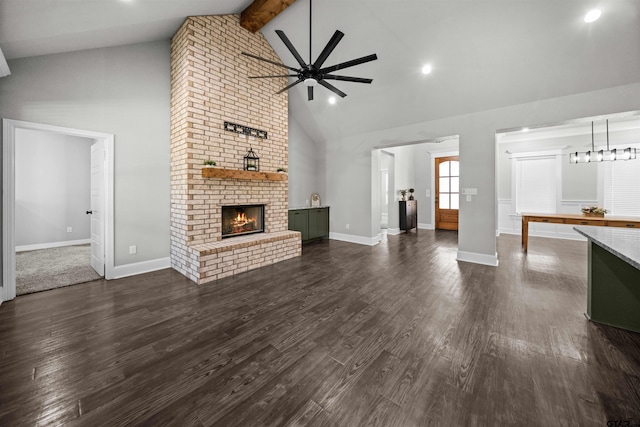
[408,215]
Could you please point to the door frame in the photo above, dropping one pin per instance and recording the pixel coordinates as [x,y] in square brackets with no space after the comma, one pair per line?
[434,156]
[9,126]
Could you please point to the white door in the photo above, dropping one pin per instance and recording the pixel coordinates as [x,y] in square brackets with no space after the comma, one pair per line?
[98,157]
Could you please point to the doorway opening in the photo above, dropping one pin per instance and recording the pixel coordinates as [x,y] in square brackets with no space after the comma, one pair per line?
[406,167]
[100,238]
[384,198]
[528,157]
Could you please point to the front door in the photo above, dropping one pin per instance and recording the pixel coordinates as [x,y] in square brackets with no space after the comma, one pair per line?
[447,199]
[98,157]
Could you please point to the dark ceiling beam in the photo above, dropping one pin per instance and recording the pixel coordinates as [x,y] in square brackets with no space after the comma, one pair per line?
[260,12]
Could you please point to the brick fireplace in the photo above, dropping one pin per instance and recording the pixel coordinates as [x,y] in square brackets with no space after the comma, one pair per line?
[209,86]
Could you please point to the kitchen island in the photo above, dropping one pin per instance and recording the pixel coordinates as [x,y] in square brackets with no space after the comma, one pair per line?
[613,296]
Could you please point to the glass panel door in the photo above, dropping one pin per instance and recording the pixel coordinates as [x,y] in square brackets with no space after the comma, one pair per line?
[447,202]
[449,188]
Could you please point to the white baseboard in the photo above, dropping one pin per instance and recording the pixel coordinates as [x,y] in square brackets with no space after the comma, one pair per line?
[50,245]
[423,226]
[120,271]
[360,240]
[477,258]
[393,231]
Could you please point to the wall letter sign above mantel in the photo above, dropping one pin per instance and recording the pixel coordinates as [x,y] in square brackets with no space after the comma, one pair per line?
[245,130]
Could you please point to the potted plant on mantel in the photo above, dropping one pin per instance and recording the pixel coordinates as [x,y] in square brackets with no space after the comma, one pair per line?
[209,163]
[281,170]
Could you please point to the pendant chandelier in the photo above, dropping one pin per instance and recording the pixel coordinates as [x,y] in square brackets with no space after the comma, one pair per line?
[602,155]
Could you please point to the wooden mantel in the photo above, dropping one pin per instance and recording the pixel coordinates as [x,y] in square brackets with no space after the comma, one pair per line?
[221,173]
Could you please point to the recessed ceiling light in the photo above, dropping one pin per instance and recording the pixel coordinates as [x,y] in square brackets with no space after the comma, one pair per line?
[525,129]
[592,15]
[332,100]
[426,69]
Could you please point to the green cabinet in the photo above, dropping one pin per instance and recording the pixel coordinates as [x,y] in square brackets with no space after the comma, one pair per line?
[313,223]
[299,221]
[318,223]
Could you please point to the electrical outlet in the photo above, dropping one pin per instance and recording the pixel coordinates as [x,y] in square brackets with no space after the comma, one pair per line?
[347,226]
[69,229]
[133,250]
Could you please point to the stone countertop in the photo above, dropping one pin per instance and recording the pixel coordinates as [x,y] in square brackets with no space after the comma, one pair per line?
[308,207]
[621,242]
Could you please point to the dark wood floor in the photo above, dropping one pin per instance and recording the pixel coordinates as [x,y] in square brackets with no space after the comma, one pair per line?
[399,334]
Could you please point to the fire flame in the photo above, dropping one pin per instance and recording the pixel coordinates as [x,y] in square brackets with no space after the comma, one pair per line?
[240,220]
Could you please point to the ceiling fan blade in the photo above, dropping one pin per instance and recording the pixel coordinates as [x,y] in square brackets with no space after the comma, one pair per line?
[269,61]
[332,88]
[292,49]
[269,77]
[348,64]
[290,86]
[335,39]
[347,79]
[310,93]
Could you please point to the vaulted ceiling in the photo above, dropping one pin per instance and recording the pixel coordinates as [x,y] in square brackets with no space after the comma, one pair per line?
[484,53]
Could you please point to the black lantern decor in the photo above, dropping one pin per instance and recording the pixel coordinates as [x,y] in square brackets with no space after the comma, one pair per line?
[251,161]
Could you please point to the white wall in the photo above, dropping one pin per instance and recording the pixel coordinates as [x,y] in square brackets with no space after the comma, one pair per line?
[351,160]
[306,166]
[122,91]
[52,187]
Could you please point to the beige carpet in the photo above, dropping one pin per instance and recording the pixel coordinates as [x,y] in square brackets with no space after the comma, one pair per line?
[45,269]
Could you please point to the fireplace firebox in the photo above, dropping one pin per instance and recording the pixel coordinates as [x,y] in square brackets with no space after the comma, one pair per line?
[242,220]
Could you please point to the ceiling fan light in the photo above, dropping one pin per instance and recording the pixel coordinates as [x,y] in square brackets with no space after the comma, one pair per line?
[310,82]
[592,15]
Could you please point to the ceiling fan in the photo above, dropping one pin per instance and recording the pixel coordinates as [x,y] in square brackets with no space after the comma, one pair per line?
[312,73]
